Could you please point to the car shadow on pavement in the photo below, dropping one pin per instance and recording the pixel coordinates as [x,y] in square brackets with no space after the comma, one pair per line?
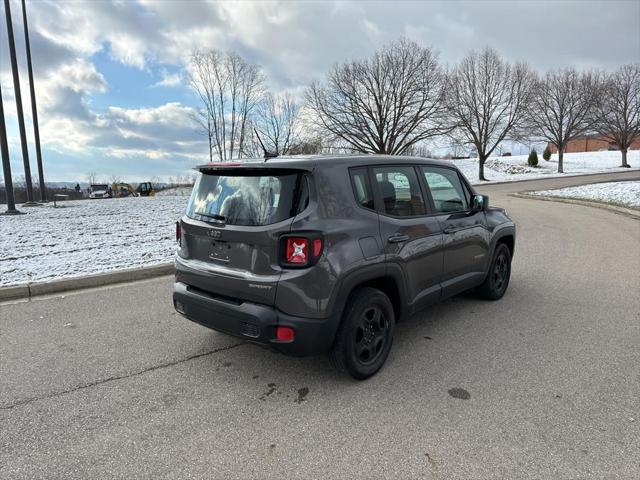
[278,374]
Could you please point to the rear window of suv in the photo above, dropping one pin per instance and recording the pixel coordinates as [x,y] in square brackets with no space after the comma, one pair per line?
[247,199]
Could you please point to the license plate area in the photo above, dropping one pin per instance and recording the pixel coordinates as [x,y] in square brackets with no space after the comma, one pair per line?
[220,251]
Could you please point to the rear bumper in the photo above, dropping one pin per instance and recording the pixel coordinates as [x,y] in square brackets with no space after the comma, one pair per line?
[254,322]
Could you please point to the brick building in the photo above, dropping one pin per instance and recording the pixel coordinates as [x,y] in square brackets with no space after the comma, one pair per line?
[592,143]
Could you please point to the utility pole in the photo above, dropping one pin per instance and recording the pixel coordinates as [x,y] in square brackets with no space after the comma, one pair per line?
[16,89]
[6,166]
[34,110]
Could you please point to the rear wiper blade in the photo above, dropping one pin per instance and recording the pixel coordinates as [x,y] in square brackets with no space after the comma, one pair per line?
[220,218]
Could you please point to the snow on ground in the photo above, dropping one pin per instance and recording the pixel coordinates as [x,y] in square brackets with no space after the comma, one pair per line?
[509,169]
[626,194]
[87,236]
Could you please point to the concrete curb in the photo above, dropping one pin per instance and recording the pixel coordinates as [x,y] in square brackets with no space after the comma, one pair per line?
[629,212]
[14,293]
[89,281]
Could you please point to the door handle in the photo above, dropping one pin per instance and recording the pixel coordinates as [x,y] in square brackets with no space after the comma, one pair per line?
[398,238]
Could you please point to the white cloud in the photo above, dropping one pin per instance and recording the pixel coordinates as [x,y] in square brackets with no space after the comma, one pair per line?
[80,76]
[295,42]
[169,80]
[167,128]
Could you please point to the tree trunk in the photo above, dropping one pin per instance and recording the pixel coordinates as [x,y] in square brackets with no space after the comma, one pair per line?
[624,158]
[560,157]
[481,160]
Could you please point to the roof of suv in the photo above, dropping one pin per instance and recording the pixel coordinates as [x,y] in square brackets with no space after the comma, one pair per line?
[311,161]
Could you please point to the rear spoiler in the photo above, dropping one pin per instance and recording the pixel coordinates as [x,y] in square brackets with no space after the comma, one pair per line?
[235,168]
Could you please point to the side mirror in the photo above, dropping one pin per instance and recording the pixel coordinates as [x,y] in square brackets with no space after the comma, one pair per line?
[479,203]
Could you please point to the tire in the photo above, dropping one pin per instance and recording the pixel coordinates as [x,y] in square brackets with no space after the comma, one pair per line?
[497,281]
[365,335]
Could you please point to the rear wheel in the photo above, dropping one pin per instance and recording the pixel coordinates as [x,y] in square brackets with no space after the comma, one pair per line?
[365,335]
[499,274]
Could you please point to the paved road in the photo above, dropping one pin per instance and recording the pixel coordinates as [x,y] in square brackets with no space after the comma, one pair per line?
[111,383]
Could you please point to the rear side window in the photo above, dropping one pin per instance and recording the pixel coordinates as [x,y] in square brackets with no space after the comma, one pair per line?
[361,188]
[446,189]
[249,200]
[400,191]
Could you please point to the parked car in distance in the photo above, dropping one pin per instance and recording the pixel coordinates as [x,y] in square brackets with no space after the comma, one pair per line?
[314,255]
[100,190]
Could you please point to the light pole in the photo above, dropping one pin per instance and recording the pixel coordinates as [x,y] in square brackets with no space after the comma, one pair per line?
[6,166]
[16,89]
[34,110]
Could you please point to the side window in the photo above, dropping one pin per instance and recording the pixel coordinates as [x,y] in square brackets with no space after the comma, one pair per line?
[446,189]
[400,190]
[361,189]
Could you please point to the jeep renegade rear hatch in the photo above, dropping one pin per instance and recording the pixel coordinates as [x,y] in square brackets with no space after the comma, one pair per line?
[230,235]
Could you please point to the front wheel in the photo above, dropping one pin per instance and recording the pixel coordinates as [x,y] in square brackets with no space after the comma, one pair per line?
[499,274]
[365,335]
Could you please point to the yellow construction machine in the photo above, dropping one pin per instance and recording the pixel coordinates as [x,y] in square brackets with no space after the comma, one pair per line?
[121,190]
[145,189]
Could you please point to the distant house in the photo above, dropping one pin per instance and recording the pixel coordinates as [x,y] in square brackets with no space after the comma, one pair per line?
[592,143]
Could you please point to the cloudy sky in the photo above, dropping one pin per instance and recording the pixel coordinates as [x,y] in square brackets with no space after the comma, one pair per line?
[110,79]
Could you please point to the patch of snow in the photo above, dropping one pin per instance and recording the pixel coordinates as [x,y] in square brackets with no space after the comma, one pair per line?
[509,169]
[618,193]
[84,237]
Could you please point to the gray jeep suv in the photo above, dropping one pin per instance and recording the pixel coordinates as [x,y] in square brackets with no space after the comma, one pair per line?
[319,254]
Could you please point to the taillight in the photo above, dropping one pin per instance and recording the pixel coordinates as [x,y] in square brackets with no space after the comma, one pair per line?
[178,233]
[301,251]
[297,250]
[317,247]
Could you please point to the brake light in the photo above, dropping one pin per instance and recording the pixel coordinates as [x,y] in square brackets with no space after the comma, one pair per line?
[297,250]
[317,247]
[178,233]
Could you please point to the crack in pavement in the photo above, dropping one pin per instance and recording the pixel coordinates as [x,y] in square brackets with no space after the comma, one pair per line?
[118,377]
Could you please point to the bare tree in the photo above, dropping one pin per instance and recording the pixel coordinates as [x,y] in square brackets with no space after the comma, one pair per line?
[487,98]
[562,107]
[458,147]
[277,122]
[420,150]
[229,88]
[383,104]
[114,179]
[617,111]
[92,178]
[202,118]
[20,182]
[308,145]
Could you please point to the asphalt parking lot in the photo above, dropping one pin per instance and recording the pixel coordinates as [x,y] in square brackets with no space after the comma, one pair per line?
[544,383]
